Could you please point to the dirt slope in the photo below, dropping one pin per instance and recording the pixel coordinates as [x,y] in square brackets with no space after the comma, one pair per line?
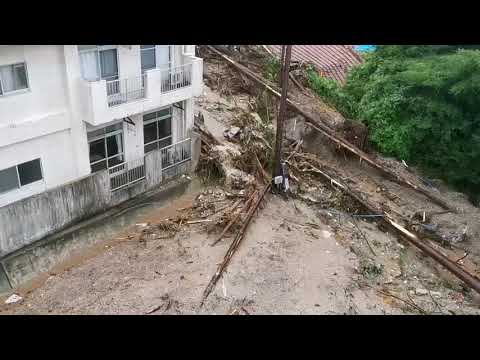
[306,255]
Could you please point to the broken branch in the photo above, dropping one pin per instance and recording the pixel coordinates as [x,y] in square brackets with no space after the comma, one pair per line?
[329,133]
[235,243]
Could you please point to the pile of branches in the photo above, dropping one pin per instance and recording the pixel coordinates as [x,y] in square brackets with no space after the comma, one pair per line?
[209,166]
[256,138]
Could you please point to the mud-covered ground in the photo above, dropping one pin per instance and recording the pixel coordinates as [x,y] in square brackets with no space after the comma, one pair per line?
[302,255]
[298,257]
[289,263]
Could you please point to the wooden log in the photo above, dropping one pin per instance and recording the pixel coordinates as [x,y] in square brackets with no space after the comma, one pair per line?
[470,279]
[329,133]
[235,218]
[262,171]
[234,246]
[383,169]
[297,83]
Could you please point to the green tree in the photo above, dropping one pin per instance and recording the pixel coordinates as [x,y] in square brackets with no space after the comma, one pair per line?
[421,104]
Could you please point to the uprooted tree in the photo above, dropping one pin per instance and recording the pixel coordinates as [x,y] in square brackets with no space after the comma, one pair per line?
[420,104]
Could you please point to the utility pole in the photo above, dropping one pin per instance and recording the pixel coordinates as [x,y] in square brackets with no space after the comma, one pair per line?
[282,59]
[279,180]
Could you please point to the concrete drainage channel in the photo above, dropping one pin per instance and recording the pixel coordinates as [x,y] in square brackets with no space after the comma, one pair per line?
[25,264]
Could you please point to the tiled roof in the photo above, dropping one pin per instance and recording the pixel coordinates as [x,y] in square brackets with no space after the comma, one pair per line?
[332,61]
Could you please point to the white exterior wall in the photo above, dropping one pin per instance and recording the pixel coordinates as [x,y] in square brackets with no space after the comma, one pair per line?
[77,103]
[50,120]
[43,108]
[35,123]
[133,136]
[129,61]
[55,153]
[46,75]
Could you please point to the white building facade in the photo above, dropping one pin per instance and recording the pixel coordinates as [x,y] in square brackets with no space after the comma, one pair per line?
[69,111]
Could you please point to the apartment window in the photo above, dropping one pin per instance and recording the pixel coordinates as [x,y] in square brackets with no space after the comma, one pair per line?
[157,129]
[147,53]
[13,78]
[20,175]
[106,147]
[98,62]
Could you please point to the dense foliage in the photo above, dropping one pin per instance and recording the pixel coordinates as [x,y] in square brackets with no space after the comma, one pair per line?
[272,67]
[421,104]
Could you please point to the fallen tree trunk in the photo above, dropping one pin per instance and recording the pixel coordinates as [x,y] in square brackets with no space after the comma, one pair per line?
[329,133]
[470,279]
[235,243]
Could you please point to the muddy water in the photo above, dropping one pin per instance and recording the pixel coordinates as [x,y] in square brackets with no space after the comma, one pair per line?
[30,267]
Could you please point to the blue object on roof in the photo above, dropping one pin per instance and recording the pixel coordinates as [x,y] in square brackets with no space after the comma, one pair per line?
[364,48]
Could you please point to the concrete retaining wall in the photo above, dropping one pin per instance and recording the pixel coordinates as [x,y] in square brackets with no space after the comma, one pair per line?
[35,217]
[31,219]
[41,257]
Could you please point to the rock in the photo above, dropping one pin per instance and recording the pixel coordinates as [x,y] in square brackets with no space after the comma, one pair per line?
[13,299]
[436,294]
[295,128]
[396,273]
[421,292]
[430,227]
[232,132]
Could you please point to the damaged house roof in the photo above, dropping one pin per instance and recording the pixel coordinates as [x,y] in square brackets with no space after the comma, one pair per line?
[332,61]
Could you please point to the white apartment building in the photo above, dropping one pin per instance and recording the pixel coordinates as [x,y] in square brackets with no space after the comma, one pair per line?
[72,110]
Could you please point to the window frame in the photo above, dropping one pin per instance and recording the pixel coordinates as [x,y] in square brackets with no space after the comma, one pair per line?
[98,49]
[18,91]
[154,48]
[156,120]
[104,136]
[19,184]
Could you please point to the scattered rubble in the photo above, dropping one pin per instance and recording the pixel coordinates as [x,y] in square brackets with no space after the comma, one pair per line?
[13,299]
[361,207]
[305,169]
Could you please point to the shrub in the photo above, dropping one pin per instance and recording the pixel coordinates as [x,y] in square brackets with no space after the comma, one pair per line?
[421,104]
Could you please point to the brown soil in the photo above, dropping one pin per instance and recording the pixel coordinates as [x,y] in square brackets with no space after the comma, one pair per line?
[303,256]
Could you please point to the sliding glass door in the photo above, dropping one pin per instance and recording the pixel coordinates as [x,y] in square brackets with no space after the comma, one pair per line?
[99,63]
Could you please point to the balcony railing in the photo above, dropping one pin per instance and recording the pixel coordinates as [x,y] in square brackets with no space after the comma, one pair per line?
[109,99]
[176,78]
[126,174]
[125,90]
[176,154]
[171,157]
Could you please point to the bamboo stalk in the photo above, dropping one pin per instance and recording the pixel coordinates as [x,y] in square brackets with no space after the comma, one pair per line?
[329,133]
[234,246]
[230,224]
[470,279]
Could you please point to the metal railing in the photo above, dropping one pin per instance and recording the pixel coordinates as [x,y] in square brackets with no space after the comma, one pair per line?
[126,90]
[176,78]
[130,172]
[176,154]
[127,173]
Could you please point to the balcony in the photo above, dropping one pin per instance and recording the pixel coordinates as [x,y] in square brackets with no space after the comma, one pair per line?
[176,78]
[126,90]
[105,101]
[167,160]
